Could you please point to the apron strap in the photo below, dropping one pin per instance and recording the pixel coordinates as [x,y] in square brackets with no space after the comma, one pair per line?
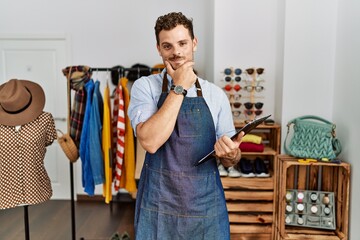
[198,88]
[165,85]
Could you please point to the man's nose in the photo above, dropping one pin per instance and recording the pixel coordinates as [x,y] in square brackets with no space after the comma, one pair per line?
[176,51]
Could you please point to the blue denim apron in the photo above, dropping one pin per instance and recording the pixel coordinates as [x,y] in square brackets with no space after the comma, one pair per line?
[176,200]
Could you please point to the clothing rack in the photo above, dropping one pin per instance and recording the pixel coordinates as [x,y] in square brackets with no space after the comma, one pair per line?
[122,69]
[26,222]
[118,69]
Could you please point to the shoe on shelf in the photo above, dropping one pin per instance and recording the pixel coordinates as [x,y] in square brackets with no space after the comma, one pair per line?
[261,169]
[222,170]
[233,172]
[246,168]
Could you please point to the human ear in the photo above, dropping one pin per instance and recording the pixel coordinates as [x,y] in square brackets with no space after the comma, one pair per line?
[195,42]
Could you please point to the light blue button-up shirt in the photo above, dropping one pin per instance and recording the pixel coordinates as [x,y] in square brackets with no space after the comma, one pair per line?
[146,91]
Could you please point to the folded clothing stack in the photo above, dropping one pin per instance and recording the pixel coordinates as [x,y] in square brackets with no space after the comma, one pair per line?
[251,143]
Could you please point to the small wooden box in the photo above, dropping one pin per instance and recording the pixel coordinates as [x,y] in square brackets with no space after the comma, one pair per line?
[321,176]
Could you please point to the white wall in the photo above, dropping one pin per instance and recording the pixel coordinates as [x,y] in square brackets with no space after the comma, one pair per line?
[346,111]
[103,33]
[309,59]
[246,34]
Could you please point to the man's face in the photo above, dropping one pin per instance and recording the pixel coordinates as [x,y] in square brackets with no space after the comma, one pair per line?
[176,46]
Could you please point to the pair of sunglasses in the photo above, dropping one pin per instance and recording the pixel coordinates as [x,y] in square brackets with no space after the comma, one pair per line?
[229,78]
[250,105]
[251,88]
[250,112]
[235,104]
[236,113]
[251,71]
[229,71]
[233,97]
[229,87]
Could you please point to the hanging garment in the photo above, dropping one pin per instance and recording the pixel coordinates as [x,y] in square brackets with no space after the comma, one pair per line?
[118,134]
[95,136]
[87,177]
[23,177]
[106,146]
[176,200]
[77,76]
[128,173]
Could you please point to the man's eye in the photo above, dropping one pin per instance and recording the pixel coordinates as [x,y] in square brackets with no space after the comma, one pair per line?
[166,47]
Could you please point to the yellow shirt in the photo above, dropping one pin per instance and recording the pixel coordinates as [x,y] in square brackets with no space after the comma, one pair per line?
[106,146]
[128,173]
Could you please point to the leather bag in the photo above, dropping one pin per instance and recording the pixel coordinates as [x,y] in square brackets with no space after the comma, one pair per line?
[312,137]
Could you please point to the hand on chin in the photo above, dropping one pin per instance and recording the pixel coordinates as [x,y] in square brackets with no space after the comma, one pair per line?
[176,64]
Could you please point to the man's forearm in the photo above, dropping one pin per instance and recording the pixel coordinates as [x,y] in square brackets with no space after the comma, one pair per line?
[153,133]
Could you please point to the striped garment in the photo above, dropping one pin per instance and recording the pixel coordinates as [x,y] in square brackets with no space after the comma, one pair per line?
[118,134]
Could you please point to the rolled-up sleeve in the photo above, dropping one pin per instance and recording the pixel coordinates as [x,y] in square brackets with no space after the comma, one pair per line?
[143,101]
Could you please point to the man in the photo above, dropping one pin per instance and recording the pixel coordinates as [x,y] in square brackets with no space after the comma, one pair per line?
[179,118]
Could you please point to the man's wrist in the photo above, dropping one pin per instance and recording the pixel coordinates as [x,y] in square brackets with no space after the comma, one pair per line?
[233,160]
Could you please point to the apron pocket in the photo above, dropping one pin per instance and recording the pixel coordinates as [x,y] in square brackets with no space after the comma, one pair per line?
[181,194]
[189,122]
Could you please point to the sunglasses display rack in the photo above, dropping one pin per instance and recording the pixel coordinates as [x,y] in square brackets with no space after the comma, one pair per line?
[239,85]
[315,209]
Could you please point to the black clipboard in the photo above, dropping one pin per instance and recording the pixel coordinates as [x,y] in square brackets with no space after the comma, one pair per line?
[246,129]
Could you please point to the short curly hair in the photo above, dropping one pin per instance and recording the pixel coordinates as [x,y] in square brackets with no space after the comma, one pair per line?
[170,21]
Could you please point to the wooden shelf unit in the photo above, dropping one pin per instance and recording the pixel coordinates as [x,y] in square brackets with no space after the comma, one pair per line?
[334,178]
[251,201]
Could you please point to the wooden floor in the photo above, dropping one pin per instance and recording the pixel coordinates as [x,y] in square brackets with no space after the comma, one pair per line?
[51,220]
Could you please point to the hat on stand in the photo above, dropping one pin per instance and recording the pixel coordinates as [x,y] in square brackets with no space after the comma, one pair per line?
[21,101]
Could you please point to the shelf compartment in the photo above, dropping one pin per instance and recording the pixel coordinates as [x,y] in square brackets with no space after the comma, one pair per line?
[271,135]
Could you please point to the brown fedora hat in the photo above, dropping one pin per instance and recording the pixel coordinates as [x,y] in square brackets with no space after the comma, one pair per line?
[21,101]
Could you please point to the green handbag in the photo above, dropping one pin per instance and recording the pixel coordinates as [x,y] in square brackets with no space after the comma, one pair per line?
[313,137]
